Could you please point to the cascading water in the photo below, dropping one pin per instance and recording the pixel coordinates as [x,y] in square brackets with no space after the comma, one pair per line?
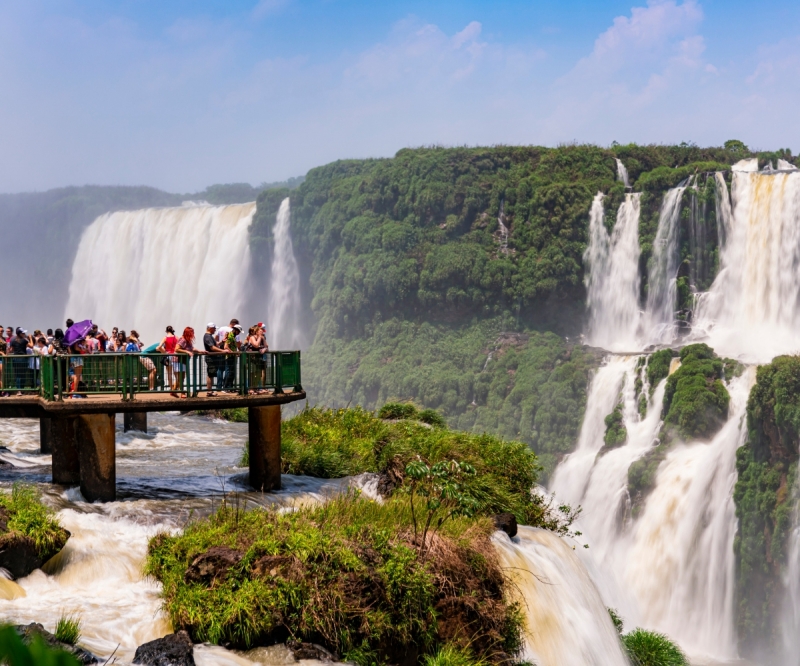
[661,289]
[566,621]
[284,330]
[752,310]
[724,213]
[622,173]
[671,567]
[612,276]
[145,269]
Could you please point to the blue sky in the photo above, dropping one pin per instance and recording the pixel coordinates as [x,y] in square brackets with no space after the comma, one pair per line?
[183,94]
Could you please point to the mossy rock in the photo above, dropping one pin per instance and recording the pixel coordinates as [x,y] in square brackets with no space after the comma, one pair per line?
[616,433]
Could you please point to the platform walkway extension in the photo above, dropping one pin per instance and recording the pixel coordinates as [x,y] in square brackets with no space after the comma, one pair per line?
[76,399]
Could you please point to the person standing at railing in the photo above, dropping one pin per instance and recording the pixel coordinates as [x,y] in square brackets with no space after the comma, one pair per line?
[184,350]
[61,352]
[231,346]
[9,335]
[18,347]
[40,348]
[168,344]
[77,351]
[257,347]
[212,361]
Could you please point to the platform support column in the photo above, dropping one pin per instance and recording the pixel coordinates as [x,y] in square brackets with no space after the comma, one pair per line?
[265,447]
[134,421]
[64,443]
[45,435]
[98,468]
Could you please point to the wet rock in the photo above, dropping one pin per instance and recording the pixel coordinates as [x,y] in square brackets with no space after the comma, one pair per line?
[28,631]
[172,650]
[506,522]
[271,565]
[392,478]
[213,564]
[302,650]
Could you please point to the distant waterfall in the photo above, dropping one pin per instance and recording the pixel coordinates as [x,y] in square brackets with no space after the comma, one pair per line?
[661,291]
[612,277]
[753,307]
[622,173]
[284,331]
[670,569]
[145,269]
[722,203]
[567,623]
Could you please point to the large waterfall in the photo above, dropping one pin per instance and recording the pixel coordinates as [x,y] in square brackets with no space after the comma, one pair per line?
[752,310]
[284,329]
[145,269]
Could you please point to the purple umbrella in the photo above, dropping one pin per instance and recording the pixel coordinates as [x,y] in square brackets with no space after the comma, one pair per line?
[77,332]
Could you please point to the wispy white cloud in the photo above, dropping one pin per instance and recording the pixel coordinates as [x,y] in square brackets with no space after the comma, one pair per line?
[265,8]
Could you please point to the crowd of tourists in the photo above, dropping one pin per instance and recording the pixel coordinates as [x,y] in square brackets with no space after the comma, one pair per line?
[21,353]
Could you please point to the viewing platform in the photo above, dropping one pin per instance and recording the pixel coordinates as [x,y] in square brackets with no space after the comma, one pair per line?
[78,426]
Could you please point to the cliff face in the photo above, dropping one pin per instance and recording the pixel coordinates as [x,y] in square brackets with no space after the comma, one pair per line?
[764,499]
[455,277]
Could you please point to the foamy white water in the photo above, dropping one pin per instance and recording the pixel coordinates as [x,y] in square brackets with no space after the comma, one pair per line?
[145,269]
[284,290]
[567,623]
[612,276]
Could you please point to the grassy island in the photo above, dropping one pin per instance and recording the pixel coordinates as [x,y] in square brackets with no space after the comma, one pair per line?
[409,579]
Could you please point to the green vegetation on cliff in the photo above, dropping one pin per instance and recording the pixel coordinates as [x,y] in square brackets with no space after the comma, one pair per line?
[348,575]
[331,443]
[24,516]
[766,467]
[695,408]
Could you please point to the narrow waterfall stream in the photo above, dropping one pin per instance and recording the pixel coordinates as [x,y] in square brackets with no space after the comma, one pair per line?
[284,289]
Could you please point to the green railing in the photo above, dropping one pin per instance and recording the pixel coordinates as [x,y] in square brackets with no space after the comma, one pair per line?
[60,377]
[20,374]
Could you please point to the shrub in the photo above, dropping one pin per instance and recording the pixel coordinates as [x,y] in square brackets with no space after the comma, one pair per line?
[432,417]
[616,432]
[451,655]
[398,410]
[648,648]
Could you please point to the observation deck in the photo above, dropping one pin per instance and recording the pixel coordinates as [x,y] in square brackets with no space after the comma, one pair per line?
[77,426]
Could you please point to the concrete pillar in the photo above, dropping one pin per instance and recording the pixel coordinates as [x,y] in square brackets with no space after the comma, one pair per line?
[45,435]
[134,421]
[98,465]
[64,443]
[265,447]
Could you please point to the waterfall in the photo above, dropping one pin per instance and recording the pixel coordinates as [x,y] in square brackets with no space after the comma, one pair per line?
[671,568]
[661,288]
[612,276]
[752,310]
[284,331]
[144,269]
[622,173]
[566,621]
[722,202]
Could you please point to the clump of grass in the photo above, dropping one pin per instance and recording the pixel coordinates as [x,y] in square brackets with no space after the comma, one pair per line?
[452,655]
[244,461]
[68,629]
[29,517]
[236,414]
[648,648]
[346,574]
[14,651]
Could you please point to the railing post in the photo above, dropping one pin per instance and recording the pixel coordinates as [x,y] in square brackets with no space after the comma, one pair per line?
[299,385]
[278,373]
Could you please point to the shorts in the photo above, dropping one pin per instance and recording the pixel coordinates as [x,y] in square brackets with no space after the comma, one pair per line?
[147,363]
[177,366]
[76,361]
[211,367]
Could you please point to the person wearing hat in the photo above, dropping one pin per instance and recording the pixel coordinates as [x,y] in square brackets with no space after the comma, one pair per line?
[212,361]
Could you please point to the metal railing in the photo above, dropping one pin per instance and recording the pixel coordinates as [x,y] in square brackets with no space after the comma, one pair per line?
[128,374]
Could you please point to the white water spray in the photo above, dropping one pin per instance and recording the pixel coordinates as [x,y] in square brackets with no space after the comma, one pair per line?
[612,276]
[284,331]
[145,269]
